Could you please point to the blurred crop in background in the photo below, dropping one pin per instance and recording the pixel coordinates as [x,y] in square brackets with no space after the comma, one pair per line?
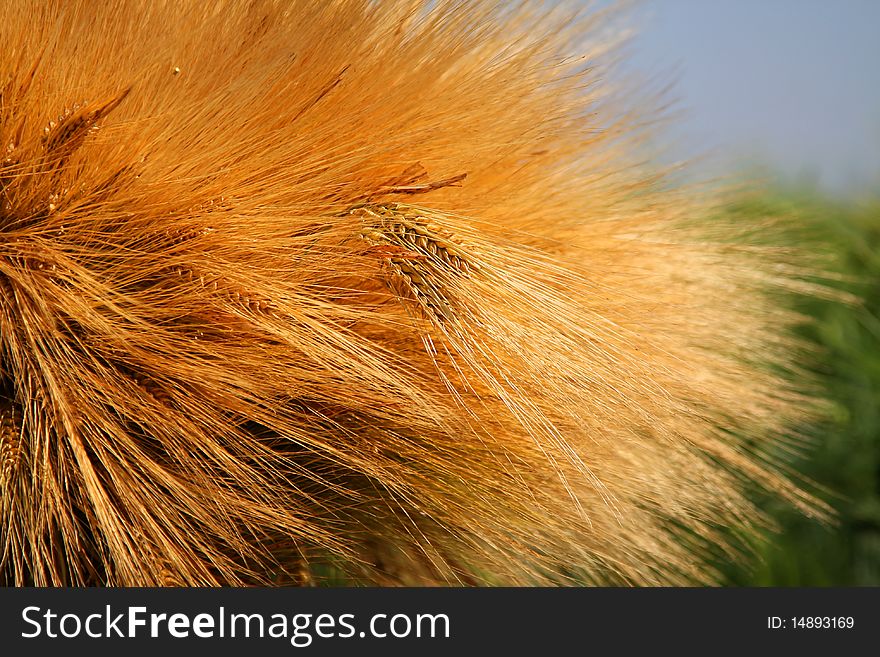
[844,455]
[792,88]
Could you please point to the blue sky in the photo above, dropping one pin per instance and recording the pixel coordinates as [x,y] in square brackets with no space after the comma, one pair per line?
[789,84]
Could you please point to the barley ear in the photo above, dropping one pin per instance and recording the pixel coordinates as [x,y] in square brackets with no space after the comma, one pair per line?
[425,263]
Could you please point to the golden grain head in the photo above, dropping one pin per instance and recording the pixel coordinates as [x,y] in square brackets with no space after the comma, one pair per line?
[9,443]
[366,290]
[422,258]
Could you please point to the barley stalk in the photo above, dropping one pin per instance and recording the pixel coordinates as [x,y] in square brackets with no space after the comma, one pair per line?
[232,293]
[10,436]
[425,260]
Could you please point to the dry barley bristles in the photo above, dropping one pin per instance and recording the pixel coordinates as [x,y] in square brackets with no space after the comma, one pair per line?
[361,290]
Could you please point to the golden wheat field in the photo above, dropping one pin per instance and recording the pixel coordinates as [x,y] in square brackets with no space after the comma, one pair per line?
[383,293]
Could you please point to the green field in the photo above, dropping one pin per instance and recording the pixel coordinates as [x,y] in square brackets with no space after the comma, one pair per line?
[843,459]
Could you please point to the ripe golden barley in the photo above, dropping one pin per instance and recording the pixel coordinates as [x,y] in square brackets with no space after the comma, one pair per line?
[378,289]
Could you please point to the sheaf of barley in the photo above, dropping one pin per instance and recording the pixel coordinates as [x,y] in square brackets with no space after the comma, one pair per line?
[374,289]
